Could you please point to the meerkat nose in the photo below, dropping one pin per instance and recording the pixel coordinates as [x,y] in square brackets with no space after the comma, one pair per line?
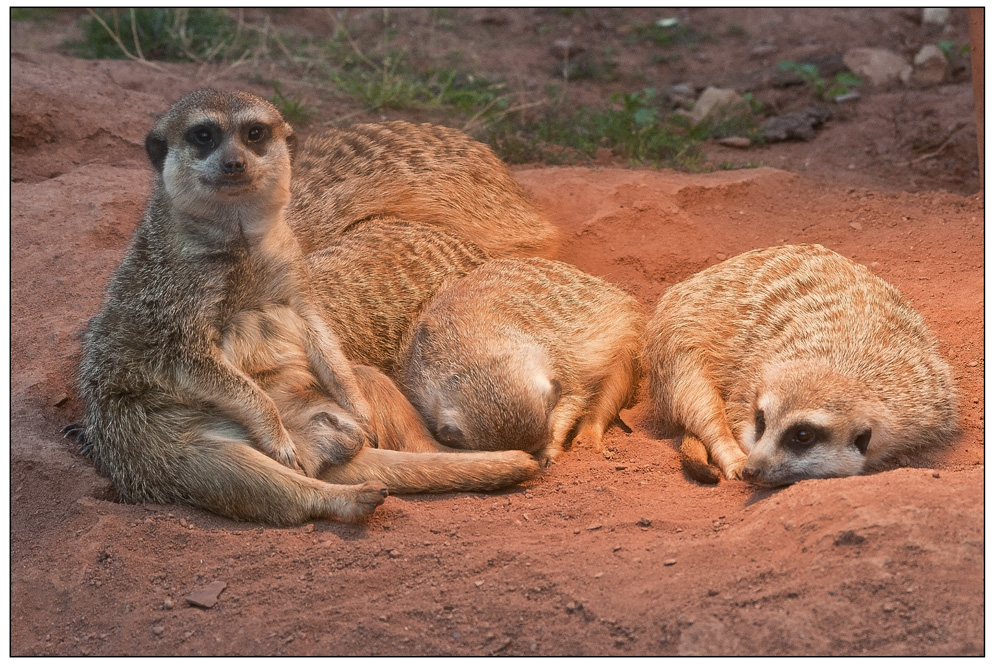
[750,474]
[233,166]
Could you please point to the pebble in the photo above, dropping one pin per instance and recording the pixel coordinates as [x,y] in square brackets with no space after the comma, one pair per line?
[721,256]
[206,597]
[167,604]
[309,528]
[740,142]
[158,630]
[670,562]
[594,526]
[571,607]
[394,553]
[478,583]
[644,522]
[856,225]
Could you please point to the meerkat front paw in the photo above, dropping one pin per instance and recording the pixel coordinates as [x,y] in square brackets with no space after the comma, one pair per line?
[734,470]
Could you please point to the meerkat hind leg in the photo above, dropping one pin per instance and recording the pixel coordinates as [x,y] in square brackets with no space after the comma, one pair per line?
[612,395]
[233,479]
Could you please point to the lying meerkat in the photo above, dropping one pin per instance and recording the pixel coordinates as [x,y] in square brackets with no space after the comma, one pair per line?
[375,278]
[209,376]
[419,173]
[793,362]
[527,354]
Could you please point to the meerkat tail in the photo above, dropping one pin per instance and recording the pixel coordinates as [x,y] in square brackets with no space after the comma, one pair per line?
[237,481]
[434,472]
[694,461]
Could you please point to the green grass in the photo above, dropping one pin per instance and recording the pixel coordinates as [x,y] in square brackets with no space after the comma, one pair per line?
[823,89]
[156,34]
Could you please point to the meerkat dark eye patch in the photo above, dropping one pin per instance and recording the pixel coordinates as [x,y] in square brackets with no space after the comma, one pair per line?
[760,424]
[204,137]
[862,441]
[256,133]
[802,437]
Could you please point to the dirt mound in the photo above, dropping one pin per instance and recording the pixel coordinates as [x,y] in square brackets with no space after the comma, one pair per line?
[603,554]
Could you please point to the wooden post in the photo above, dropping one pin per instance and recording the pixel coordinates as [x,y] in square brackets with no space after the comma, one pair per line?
[976,26]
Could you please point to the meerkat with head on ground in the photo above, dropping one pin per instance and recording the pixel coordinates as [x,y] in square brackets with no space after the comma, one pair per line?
[793,362]
[417,173]
[527,354]
[209,376]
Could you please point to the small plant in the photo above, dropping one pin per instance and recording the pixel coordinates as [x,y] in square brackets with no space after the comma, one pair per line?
[156,34]
[293,109]
[669,32]
[841,84]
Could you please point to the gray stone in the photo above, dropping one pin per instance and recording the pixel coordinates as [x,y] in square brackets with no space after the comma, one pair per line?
[714,99]
[207,596]
[795,125]
[929,66]
[877,66]
[935,15]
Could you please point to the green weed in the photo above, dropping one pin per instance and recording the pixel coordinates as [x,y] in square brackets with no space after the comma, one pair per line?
[841,84]
[156,34]
[293,109]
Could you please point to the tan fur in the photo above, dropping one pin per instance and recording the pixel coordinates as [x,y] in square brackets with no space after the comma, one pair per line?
[209,376]
[842,369]
[419,173]
[374,279]
[527,354]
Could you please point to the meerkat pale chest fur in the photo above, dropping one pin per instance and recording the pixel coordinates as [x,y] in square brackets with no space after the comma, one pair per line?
[209,376]
[794,362]
[417,173]
[525,354]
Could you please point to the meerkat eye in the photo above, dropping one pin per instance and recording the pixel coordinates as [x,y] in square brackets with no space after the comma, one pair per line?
[256,133]
[801,437]
[201,135]
[760,424]
[862,441]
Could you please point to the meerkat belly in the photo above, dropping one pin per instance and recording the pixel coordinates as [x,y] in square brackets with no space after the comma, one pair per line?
[268,345]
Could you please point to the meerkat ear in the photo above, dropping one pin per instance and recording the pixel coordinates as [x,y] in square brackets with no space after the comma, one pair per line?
[862,441]
[156,147]
[554,394]
[291,140]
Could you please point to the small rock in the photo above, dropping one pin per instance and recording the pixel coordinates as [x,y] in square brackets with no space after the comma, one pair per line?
[309,528]
[620,466]
[206,597]
[571,607]
[762,50]
[478,583]
[158,630]
[183,523]
[670,562]
[720,256]
[936,474]
[594,526]
[888,608]
[643,522]
[853,95]
[797,125]
[394,553]
[935,15]
[856,225]
[877,66]
[740,142]
[167,604]
[714,99]
[929,66]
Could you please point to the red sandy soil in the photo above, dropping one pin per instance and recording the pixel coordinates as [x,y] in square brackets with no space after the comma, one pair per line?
[613,554]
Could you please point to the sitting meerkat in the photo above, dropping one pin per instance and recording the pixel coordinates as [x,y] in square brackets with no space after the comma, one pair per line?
[527,354]
[417,173]
[793,362]
[209,376]
[374,279]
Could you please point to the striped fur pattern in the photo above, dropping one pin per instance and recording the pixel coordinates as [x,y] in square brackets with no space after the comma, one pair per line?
[419,173]
[794,362]
[374,279]
[527,354]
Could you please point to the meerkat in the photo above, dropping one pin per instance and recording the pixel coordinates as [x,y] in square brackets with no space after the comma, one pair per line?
[793,362]
[209,376]
[528,354]
[418,173]
[374,279]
